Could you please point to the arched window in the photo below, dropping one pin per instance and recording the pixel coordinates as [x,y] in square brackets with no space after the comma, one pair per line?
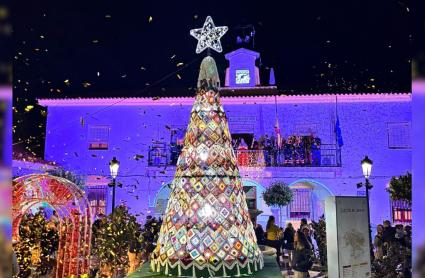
[300,207]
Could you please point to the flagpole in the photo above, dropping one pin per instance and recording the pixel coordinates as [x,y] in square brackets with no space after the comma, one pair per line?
[336,118]
[275,106]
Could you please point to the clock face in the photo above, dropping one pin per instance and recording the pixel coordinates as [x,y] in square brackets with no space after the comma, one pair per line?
[242,77]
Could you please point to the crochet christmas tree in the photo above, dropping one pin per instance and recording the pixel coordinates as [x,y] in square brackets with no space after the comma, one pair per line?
[207,231]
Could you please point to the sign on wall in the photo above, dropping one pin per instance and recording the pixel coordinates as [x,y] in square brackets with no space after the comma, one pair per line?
[347,222]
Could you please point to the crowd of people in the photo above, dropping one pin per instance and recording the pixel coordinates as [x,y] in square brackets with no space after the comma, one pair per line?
[271,151]
[265,151]
[392,243]
[297,244]
[395,244]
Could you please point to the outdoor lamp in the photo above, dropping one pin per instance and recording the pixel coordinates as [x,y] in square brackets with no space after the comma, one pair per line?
[366,167]
[114,165]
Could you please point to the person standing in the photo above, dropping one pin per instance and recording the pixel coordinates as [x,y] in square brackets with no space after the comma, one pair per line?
[302,260]
[288,238]
[273,237]
[400,234]
[305,236]
[259,233]
[388,236]
[377,242]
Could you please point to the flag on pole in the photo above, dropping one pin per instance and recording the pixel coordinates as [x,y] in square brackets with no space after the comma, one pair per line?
[338,133]
[277,128]
[278,135]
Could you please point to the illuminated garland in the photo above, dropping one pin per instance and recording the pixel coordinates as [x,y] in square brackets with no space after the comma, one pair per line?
[74,214]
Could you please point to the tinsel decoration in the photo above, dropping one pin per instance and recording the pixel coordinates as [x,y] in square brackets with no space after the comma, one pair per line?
[114,236]
[149,236]
[36,250]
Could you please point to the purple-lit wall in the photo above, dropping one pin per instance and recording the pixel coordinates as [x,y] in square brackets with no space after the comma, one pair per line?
[132,129]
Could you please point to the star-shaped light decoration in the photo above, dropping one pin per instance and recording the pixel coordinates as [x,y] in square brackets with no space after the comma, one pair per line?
[209,36]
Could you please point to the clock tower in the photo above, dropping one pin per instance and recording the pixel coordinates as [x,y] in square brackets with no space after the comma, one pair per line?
[242,71]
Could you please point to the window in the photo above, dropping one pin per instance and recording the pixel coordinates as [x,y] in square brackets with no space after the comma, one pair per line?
[98,137]
[402,212]
[158,154]
[300,206]
[97,199]
[399,135]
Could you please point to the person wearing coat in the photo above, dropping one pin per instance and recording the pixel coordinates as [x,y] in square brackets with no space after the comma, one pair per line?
[302,260]
[377,242]
[288,238]
[273,238]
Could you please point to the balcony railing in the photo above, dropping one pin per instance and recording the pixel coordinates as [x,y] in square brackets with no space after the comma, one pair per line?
[325,156]
[328,155]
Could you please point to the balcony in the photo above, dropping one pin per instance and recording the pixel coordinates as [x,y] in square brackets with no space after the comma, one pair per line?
[327,155]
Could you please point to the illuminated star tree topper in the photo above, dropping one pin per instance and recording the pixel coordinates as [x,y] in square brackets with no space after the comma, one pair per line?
[209,36]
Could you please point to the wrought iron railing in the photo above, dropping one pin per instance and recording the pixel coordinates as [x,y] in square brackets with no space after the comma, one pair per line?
[328,155]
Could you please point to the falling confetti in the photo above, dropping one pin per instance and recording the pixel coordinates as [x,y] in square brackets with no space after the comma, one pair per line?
[29,108]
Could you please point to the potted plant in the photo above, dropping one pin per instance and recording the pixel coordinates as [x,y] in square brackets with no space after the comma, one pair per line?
[278,194]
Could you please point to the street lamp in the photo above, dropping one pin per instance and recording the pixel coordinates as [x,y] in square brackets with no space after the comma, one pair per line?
[114,165]
[367,169]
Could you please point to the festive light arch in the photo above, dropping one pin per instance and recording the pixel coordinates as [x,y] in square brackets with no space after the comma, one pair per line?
[73,210]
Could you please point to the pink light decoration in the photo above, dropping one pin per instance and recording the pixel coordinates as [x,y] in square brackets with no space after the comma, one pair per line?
[418,86]
[75,218]
[172,101]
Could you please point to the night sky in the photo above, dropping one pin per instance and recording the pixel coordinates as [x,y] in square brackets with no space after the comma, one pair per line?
[113,48]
